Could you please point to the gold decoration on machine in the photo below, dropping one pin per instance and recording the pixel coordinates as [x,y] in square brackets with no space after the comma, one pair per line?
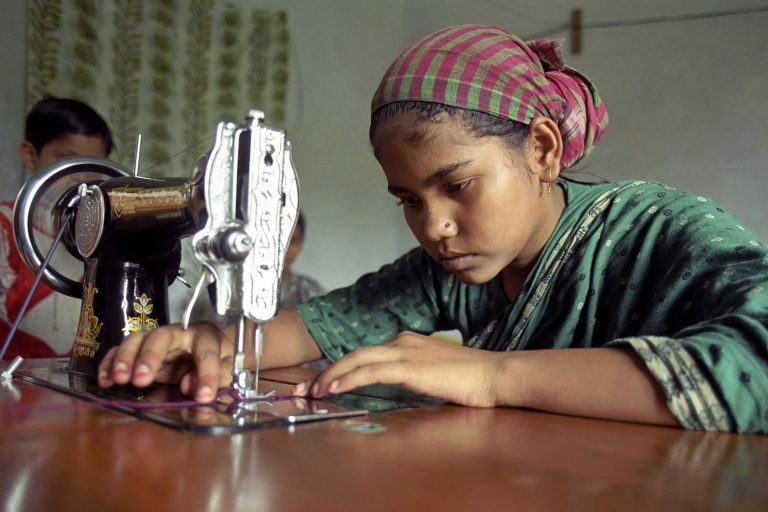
[88,327]
[142,322]
[129,201]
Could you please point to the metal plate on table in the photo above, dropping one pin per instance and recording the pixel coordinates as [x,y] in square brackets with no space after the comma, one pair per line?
[165,404]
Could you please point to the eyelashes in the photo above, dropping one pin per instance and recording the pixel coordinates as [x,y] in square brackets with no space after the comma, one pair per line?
[405,202]
[458,187]
[451,189]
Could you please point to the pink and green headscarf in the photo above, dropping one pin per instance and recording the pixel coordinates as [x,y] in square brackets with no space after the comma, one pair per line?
[488,69]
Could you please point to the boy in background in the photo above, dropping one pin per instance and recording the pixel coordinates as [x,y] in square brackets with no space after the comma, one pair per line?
[55,128]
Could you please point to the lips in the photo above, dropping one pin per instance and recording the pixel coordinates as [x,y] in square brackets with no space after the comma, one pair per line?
[457,262]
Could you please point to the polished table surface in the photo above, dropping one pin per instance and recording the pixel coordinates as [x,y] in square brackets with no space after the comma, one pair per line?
[62,453]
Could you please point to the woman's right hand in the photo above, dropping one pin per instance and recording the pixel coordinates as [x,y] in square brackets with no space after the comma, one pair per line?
[199,359]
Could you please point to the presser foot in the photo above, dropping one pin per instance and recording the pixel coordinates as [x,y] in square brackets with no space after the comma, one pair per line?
[245,385]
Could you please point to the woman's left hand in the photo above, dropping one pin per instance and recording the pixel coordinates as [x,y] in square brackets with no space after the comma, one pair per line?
[419,363]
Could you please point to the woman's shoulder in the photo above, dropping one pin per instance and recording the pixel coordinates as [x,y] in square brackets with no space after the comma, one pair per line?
[670,213]
[639,189]
[640,197]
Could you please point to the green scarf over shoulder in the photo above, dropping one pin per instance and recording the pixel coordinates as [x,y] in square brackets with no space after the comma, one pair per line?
[669,274]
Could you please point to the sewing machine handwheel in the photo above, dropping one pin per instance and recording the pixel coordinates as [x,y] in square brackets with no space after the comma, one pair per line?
[41,204]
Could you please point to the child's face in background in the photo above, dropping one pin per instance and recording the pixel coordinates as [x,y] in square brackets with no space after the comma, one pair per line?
[472,203]
[70,144]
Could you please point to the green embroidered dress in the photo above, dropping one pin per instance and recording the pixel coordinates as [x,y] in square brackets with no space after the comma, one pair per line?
[637,264]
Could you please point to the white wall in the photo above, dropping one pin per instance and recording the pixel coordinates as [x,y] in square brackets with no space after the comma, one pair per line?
[12,60]
[686,100]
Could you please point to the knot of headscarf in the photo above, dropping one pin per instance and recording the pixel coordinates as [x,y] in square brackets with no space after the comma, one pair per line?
[488,69]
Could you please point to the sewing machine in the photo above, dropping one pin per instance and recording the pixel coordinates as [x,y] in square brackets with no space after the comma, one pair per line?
[239,208]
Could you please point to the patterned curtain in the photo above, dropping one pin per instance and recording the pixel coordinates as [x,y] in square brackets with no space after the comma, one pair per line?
[169,70]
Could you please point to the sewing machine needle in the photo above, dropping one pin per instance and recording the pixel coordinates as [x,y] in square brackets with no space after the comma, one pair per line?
[136,158]
[245,381]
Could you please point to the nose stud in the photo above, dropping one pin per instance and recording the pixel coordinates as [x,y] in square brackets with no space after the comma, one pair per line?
[447,225]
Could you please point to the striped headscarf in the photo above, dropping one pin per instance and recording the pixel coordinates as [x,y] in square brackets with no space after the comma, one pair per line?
[488,69]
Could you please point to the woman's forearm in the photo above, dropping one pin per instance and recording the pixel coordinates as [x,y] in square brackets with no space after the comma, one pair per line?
[287,341]
[609,383]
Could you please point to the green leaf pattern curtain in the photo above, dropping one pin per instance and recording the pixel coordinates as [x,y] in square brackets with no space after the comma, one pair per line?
[168,69]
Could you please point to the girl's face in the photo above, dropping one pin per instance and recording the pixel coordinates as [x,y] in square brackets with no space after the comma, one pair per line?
[475,205]
[69,144]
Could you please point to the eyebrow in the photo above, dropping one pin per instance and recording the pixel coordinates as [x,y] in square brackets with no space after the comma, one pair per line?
[436,176]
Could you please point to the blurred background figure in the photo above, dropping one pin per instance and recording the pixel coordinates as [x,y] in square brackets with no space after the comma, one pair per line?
[55,128]
[296,288]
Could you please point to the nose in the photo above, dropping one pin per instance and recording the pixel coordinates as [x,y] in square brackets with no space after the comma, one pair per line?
[438,227]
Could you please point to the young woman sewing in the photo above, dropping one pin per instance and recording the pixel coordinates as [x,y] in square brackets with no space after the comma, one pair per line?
[656,300]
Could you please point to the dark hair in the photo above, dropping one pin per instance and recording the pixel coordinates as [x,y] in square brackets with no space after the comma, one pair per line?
[53,117]
[477,123]
[301,222]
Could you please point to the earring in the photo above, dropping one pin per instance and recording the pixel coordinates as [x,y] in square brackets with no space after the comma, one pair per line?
[549,183]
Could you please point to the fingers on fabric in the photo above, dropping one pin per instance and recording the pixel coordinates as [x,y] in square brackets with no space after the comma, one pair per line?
[387,372]
[139,357]
[209,370]
[199,359]
[366,365]
[302,388]
[120,363]
[161,348]
[105,377]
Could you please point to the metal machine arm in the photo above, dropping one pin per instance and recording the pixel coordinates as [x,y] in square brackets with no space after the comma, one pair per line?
[252,201]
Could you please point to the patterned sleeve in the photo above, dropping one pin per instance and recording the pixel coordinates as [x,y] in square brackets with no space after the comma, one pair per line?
[708,347]
[691,397]
[399,296]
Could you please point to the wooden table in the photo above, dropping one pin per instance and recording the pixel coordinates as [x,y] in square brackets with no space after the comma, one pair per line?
[59,453]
